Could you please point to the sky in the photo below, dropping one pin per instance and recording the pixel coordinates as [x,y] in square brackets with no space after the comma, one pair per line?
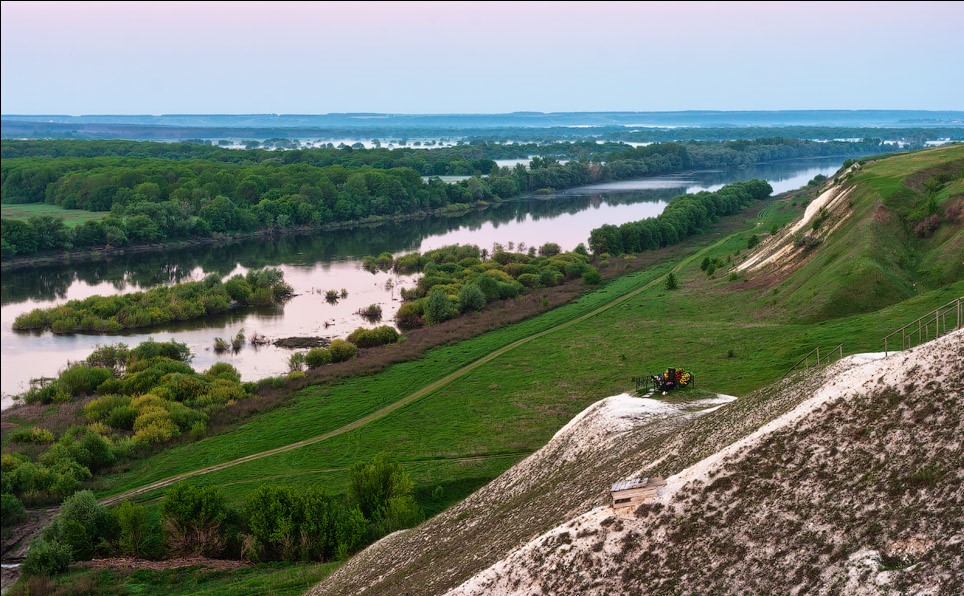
[79,58]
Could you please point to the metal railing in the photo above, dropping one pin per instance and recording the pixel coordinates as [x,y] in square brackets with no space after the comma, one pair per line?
[818,360]
[928,327]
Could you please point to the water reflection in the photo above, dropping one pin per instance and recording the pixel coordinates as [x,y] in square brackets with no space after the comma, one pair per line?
[321,261]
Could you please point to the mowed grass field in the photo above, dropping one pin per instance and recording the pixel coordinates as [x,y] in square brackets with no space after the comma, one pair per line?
[71,217]
[734,335]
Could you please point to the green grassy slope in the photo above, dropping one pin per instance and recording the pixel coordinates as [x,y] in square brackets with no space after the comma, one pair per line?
[469,431]
[876,259]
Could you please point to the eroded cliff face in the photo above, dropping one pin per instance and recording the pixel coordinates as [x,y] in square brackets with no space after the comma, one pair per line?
[857,489]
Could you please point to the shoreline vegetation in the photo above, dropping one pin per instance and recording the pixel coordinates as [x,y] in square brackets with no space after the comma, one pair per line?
[184,301]
[173,198]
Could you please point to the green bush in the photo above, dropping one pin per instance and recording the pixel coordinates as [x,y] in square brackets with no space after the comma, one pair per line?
[317,357]
[342,350]
[138,534]
[223,370]
[410,315]
[471,297]
[438,307]
[47,557]
[83,525]
[289,525]
[591,277]
[80,379]
[194,519]
[11,510]
[382,491]
[32,434]
[378,336]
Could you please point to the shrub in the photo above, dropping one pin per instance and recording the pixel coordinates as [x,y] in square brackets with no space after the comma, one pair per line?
[550,249]
[591,277]
[33,434]
[383,493]
[82,525]
[98,410]
[752,241]
[378,336]
[139,535]
[471,297]
[47,558]
[194,518]
[410,315]
[223,370]
[296,362]
[11,510]
[342,350]
[169,349]
[372,312]
[317,357]
[80,379]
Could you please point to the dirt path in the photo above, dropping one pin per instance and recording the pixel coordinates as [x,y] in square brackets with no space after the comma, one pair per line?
[408,399]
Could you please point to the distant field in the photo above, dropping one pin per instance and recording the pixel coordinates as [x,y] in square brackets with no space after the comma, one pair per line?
[71,217]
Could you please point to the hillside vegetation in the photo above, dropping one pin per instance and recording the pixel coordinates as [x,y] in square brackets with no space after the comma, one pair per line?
[891,229]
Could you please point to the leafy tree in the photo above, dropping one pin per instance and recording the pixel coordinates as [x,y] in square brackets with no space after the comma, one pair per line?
[382,490]
[194,519]
[471,297]
[47,557]
[438,307]
[139,535]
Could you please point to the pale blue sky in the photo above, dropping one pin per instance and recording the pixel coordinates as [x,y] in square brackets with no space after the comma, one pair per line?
[153,58]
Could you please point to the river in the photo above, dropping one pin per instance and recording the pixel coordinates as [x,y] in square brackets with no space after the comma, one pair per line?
[330,260]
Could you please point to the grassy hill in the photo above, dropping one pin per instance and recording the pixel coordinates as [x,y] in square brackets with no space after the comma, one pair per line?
[884,249]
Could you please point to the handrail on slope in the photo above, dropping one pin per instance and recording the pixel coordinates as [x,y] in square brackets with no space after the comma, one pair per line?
[932,321]
[818,359]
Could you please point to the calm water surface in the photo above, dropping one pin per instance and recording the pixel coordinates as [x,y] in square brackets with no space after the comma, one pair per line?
[329,260]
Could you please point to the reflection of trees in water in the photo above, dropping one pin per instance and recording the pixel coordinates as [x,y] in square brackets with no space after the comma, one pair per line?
[148,270]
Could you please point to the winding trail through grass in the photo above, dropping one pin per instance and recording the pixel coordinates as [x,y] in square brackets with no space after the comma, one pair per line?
[411,397]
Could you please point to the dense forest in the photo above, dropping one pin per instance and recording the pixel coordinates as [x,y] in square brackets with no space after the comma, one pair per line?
[163,192]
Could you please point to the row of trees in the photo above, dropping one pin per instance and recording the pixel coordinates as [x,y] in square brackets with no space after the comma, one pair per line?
[685,215]
[161,305]
[274,523]
[157,199]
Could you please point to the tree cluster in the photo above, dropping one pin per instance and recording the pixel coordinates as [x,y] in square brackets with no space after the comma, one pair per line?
[133,399]
[684,216]
[274,523]
[161,305]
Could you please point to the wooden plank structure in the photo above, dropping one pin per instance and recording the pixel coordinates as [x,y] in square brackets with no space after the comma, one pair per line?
[629,494]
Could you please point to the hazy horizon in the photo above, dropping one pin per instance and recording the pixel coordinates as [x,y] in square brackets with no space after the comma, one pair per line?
[152,58]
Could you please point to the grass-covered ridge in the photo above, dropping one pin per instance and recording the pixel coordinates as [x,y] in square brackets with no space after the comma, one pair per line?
[900,234]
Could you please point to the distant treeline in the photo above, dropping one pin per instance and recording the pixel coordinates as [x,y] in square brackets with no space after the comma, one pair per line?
[685,215]
[912,131]
[174,195]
